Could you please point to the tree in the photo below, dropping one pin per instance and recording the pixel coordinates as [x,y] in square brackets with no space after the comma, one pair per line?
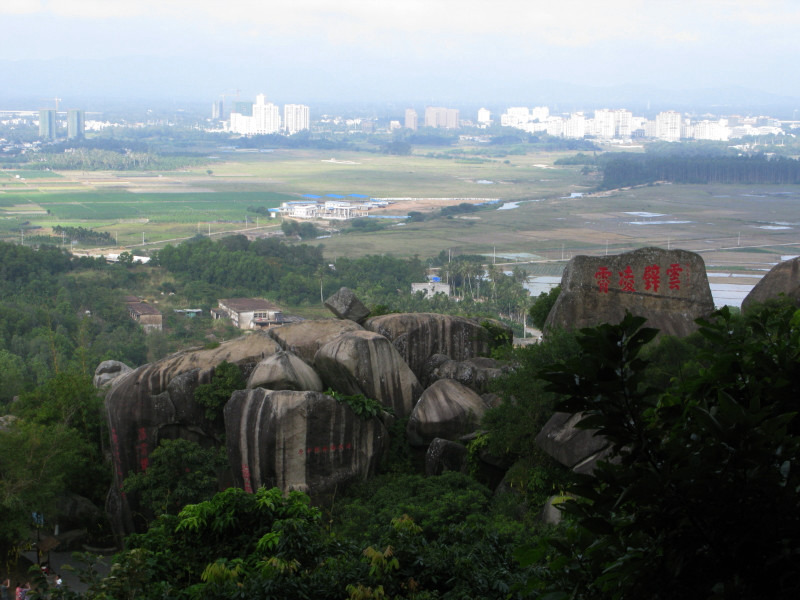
[542,305]
[180,472]
[698,497]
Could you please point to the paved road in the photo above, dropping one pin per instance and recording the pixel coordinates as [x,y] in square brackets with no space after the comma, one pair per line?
[69,578]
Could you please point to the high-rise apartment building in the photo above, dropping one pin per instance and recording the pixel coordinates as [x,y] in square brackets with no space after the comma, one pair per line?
[216,110]
[446,118]
[411,119]
[604,123]
[668,126]
[47,124]
[76,123]
[266,116]
[295,118]
[484,117]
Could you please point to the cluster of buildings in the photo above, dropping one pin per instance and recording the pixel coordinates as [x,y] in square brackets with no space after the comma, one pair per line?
[622,124]
[48,124]
[435,116]
[264,117]
[331,210]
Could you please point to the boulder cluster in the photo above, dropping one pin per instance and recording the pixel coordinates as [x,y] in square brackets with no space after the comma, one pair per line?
[283,430]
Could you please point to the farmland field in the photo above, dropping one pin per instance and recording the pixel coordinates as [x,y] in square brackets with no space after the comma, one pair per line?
[544,215]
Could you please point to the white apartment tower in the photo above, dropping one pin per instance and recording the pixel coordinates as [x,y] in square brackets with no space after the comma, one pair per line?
[411,119]
[668,126]
[436,116]
[605,123]
[266,116]
[484,117]
[295,118]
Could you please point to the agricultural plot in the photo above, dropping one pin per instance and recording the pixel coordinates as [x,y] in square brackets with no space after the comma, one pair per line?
[541,219]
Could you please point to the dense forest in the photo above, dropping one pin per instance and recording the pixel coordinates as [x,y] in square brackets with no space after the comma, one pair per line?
[698,497]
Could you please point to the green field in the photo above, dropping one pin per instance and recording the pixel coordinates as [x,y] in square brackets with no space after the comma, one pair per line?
[736,227]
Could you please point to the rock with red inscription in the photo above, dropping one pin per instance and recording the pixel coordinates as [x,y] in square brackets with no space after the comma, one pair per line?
[783,278]
[446,410]
[418,336]
[306,337]
[363,362]
[303,441]
[284,371]
[156,401]
[667,287]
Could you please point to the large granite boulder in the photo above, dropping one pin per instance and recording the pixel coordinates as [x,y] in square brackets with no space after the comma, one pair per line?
[109,371]
[303,441]
[445,455]
[475,373]
[345,305]
[284,371]
[306,337]
[418,336]
[156,401]
[783,278]
[447,410]
[575,448]
[667,287]
[362,362]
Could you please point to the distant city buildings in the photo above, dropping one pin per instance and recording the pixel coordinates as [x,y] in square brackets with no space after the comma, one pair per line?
[411,119]
[76,123]
[47,124]
[446,118]
[296,118]
[484,117]
[263,118]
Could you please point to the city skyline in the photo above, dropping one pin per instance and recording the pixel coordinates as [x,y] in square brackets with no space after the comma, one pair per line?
[437,51]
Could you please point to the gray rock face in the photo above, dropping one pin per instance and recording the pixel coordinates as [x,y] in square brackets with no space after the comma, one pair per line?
[284,371]
[577,449]
[345,305]
[667,287]
[109,371]
[444,455]
[475,373]
[156,401]
[448,410]
[362,362]
[418,336]
[306,337]
[783,278]
[303,441]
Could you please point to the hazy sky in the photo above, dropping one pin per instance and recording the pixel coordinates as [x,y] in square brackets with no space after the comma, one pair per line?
[426,50]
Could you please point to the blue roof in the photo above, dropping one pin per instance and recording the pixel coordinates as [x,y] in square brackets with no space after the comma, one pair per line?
[309,196]
[333,196]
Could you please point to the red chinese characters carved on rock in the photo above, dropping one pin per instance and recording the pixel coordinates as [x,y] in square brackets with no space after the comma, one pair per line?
[248,486]
[141,449]
[603,275]
[626,280]
[331,448]
[674,274]
[652,278]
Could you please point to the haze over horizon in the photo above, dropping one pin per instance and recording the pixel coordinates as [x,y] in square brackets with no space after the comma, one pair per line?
[723,52]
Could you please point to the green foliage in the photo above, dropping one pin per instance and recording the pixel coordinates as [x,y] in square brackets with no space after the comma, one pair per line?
[180,472]
[304,230]
[542,306]
[514,423]
[365,408]
[227,378]
[498,335]
[699,497]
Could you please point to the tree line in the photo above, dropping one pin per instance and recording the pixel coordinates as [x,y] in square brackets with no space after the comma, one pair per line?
[628,170]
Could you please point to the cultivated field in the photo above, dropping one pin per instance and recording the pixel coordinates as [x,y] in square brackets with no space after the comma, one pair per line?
[739,230]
